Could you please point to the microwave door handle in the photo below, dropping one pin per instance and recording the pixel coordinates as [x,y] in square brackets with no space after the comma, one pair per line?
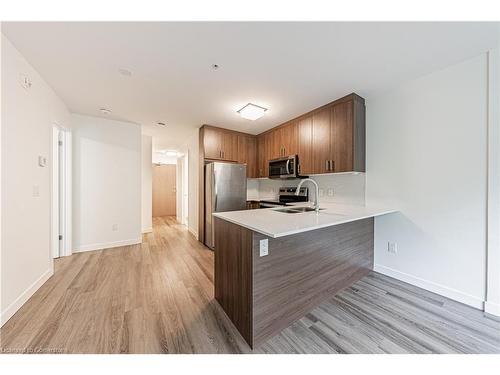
[288,166]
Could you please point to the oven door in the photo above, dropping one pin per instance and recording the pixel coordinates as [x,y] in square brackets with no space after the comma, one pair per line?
[283,168]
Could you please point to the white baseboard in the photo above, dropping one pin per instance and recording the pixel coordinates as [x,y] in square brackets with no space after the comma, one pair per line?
[442,290]
[492,308]
[147,230]
[193,232]
[25,296]
[107,245]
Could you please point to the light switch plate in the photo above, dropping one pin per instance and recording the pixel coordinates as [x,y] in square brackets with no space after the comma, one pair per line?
[264,247]
[42,161]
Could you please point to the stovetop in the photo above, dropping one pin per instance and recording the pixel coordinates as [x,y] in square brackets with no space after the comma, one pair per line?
[287,195]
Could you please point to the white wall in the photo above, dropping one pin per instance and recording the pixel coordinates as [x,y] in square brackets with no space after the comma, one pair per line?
[27,120]
[426,156]
[147,184]
[106,183]
[348,188]
[191,149]
[182,187]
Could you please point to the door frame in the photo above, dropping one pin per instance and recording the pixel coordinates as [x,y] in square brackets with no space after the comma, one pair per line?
[61,192]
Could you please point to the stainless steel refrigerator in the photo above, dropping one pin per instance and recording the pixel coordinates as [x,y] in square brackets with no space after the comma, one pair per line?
[225,190]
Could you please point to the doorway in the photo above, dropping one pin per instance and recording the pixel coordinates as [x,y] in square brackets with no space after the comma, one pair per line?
[61,193]
[164,190]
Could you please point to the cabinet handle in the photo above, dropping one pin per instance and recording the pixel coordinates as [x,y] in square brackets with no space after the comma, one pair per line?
[332,163]
[327,165]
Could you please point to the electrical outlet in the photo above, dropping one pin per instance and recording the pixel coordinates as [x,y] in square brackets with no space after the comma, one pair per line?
[392,247]
[25,82]
[321,192]
[264,247]
[329,192]
[114,227]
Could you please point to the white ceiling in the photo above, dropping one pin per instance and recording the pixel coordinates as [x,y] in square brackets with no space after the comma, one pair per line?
[289,68]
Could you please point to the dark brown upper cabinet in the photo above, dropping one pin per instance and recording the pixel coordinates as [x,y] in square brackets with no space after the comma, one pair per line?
[220,144]
[321,141]
[329,139]
[262,164]
[337,137]
[247,153]
[304,145]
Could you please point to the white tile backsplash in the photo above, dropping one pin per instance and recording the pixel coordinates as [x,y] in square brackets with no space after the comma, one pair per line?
[347,188]
[252,189]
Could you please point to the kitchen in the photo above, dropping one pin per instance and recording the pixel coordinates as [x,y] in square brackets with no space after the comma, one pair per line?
[336,199]
[326,140]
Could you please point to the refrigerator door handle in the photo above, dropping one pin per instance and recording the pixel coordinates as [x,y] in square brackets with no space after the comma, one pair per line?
[214,191]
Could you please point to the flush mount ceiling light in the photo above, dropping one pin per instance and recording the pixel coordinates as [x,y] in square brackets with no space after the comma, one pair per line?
[105,111]
[167,152]
[252,112]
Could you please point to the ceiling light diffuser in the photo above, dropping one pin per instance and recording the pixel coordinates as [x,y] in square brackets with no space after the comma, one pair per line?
[252,112]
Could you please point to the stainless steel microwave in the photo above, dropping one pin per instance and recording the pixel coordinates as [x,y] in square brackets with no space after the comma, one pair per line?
[287,167]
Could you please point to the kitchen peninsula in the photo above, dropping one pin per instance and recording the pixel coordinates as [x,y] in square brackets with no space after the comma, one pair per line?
[273,266]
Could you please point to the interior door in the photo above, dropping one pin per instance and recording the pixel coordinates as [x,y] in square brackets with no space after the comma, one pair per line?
[164,191]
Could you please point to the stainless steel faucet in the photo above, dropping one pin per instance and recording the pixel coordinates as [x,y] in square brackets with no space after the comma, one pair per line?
[316,195]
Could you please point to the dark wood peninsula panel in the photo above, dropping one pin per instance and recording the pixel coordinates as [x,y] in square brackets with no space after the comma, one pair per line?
[264,295]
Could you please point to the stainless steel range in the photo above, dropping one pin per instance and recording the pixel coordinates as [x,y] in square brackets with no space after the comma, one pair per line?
[287,196]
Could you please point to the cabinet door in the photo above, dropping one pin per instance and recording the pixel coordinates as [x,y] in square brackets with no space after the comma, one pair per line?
[261,157]
[342,132]
[269,154]
[289,139]
[304,145]
[321,134]
[252,157]
[247,154]
[212,141]
[229,146]
[276,150]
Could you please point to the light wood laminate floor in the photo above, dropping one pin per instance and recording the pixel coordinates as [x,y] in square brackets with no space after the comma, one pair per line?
[157,297]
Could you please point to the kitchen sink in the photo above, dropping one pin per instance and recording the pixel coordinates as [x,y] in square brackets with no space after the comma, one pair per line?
[296,210]
[305,209]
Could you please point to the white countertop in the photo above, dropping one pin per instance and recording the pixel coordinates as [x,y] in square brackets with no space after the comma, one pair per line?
[278,224]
